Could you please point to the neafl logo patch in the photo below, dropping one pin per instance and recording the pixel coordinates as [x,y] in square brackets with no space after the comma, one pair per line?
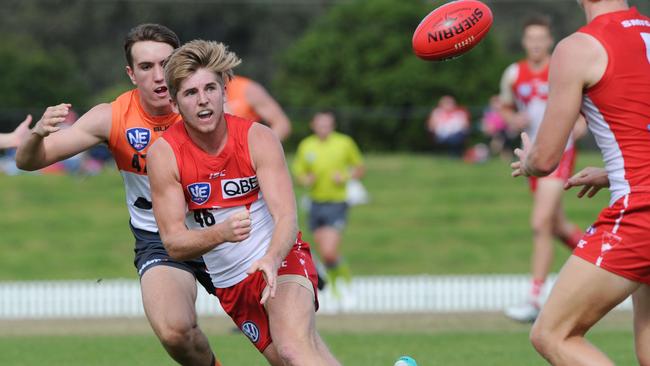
[199,192]
[138,137]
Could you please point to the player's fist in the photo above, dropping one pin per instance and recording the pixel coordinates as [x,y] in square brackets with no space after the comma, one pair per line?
[51,119]
[237,227]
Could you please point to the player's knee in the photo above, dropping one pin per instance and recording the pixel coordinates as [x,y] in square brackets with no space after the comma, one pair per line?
[541,224]
[542,339]
[299,350]
[290,353]
[177,336]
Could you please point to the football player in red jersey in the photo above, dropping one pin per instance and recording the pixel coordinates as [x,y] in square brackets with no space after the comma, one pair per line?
[221,190]
[524,94]
[129,125]
[603,72]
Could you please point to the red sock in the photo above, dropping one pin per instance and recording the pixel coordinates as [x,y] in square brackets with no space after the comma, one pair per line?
[535,290]
[572,240]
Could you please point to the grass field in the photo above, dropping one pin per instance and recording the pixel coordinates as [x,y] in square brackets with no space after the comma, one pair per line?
[428,215]
[450,340]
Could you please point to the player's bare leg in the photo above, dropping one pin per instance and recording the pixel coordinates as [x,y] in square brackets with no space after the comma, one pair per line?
[293,327]
[576,303]
[169,296]
[327,240]
[565,230]
[641,299]
[272,356]
[547,199]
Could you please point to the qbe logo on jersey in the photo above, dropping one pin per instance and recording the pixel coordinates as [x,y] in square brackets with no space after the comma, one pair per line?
[138,137]
[233,188]
[199,192]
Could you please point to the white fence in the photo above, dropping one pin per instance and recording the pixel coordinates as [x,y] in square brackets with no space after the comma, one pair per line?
[382,294]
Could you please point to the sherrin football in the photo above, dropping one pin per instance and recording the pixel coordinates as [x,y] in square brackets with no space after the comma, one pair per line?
[451,30]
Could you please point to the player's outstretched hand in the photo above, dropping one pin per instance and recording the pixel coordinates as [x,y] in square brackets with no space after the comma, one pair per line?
[51,119]
[22,131]
[521,153]
[269,269]
[237,226]
[590,179]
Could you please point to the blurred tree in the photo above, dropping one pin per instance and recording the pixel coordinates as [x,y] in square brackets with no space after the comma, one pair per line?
[29,73]
[358,60]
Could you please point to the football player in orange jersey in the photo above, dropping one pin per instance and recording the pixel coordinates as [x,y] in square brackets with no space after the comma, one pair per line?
[129,125]
[248,99]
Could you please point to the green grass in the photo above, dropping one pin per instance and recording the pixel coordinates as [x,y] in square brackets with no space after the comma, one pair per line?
[358,349]
[428,215]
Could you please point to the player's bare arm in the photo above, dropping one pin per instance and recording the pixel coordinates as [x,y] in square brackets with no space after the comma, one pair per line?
[169,209]
[269,110]
[48,143]
[578,62]
[591,180]
[275,183]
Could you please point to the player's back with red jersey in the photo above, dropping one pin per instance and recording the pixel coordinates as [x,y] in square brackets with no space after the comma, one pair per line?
[617,108]
[215,187]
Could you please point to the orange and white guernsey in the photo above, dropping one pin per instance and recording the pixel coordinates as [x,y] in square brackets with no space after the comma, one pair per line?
[215,187]
[133,131]
[236,101]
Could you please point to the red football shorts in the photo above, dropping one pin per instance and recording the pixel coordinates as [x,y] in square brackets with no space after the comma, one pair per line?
[619,241]
[242,301]
[562,172]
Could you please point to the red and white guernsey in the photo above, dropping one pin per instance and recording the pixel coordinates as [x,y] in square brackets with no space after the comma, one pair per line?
[529,93]
[617,108]
[133,131]
[215,187]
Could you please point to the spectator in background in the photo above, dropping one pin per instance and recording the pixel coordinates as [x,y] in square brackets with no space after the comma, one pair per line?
[324,163]
[13,138]
[247,99]
[494,126]
[449,126]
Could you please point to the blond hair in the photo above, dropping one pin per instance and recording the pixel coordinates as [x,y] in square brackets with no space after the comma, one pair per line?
[199,54]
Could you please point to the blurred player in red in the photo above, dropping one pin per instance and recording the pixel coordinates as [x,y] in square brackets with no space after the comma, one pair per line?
[221,189]
[13,138]
[524,94]
[603,72]
[248,99]
[129,125]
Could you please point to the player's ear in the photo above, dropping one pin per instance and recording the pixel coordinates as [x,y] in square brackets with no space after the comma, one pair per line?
[129,71]
[174,106]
